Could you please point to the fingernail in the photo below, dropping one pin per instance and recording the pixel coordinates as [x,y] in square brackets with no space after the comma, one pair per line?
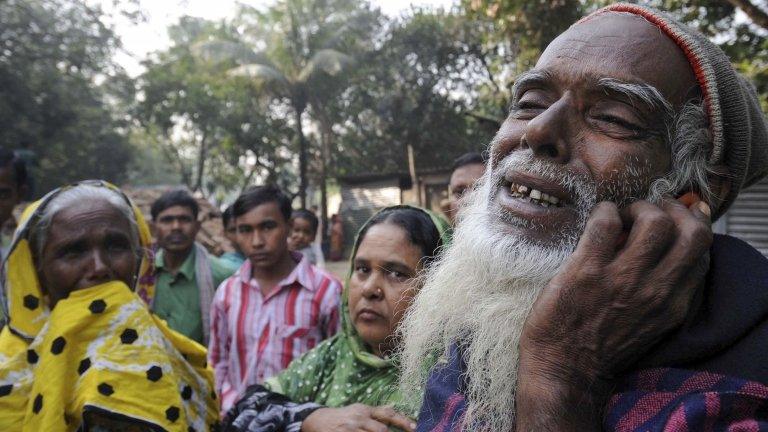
[704,208]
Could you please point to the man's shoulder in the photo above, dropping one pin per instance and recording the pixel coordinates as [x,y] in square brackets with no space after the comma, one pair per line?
[727,326]
[735,262]
[221,270]
[727,246]
[323,278]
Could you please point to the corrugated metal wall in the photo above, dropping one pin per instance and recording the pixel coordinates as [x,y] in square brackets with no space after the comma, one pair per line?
[360,202]
[747,218]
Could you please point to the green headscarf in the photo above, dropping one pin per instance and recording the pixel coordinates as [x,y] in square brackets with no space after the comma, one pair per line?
[342,370]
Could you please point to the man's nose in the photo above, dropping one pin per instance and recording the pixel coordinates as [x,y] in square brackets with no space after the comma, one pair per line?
[547,133]
[257,240]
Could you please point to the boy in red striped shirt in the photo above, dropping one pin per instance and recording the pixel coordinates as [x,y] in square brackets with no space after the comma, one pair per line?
[275,307]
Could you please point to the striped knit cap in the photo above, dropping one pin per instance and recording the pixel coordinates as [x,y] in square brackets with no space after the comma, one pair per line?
[737,126]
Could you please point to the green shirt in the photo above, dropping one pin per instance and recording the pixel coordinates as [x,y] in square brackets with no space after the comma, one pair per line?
[177,299]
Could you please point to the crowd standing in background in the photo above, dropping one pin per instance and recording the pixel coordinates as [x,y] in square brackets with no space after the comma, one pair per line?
[575,286]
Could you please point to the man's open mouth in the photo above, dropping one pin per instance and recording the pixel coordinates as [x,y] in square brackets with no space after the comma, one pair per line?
[535,196]
[535,190]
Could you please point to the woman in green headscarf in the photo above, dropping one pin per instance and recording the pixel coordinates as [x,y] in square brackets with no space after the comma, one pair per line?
[349,382]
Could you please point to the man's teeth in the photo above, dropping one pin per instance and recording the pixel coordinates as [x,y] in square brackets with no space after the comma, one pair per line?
[533,195]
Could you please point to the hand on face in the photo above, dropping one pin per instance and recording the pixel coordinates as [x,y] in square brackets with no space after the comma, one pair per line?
[629,282]
[357,418]
[86,246]
[380,289]
[176,228]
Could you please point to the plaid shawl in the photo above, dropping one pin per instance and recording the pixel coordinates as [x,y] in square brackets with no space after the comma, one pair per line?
[709,374]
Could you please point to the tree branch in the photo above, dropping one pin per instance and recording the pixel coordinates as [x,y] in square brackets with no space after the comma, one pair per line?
[757,15]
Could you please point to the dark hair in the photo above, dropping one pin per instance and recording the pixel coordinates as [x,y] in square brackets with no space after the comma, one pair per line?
[308,216]
[259,195]
[227,217]
[471,158]
[10,159]
[419,226]
[173,198]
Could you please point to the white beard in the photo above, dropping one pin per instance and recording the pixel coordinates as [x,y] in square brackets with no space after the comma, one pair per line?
[481,289]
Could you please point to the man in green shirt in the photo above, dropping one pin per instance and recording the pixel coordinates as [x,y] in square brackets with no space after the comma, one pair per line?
[186,275]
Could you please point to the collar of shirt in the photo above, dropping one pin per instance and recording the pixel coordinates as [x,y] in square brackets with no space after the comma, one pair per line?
[187,268]
[301,274]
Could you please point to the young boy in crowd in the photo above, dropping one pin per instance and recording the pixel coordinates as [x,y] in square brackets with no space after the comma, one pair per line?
[276,307]
[304,225]
[233,259]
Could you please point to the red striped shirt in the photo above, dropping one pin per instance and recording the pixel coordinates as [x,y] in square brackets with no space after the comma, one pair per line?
[253,336]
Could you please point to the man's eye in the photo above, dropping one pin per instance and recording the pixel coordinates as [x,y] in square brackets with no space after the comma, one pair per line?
[616,120]
[526,109]
[610,123]
[530,105]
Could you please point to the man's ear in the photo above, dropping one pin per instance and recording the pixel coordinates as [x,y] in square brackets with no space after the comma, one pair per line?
[719,187]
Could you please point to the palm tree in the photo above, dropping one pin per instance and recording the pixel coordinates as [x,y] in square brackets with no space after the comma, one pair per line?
[301,56]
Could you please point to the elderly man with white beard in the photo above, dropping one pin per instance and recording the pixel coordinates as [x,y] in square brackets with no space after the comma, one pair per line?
[584,289]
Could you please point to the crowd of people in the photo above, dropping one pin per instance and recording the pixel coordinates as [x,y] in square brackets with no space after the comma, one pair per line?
[575,284]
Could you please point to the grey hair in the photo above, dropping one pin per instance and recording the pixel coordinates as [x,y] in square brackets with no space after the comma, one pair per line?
[38,231]
[689,142]
[646,93]
[687,135]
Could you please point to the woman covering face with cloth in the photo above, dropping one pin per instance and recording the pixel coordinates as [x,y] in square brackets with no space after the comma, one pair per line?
[81,350]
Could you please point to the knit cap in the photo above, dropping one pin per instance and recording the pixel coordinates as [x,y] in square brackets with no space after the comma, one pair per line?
[737,125]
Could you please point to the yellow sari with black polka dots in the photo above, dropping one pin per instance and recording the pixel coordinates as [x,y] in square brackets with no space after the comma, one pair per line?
[99,360]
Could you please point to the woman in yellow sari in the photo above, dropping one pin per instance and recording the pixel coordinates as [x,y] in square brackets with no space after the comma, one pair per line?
[81,351]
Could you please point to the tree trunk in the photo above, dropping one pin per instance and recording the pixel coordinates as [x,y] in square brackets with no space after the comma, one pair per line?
[302,159]
[201,163]
[325,153]
[249,177]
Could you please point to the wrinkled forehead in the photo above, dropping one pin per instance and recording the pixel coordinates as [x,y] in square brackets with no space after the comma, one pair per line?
[620,46]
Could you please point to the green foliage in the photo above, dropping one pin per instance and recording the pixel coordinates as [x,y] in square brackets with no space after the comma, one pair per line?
[217,131]
[525,28]
[53,54]
[412,91]
[301,58]
[744,42]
